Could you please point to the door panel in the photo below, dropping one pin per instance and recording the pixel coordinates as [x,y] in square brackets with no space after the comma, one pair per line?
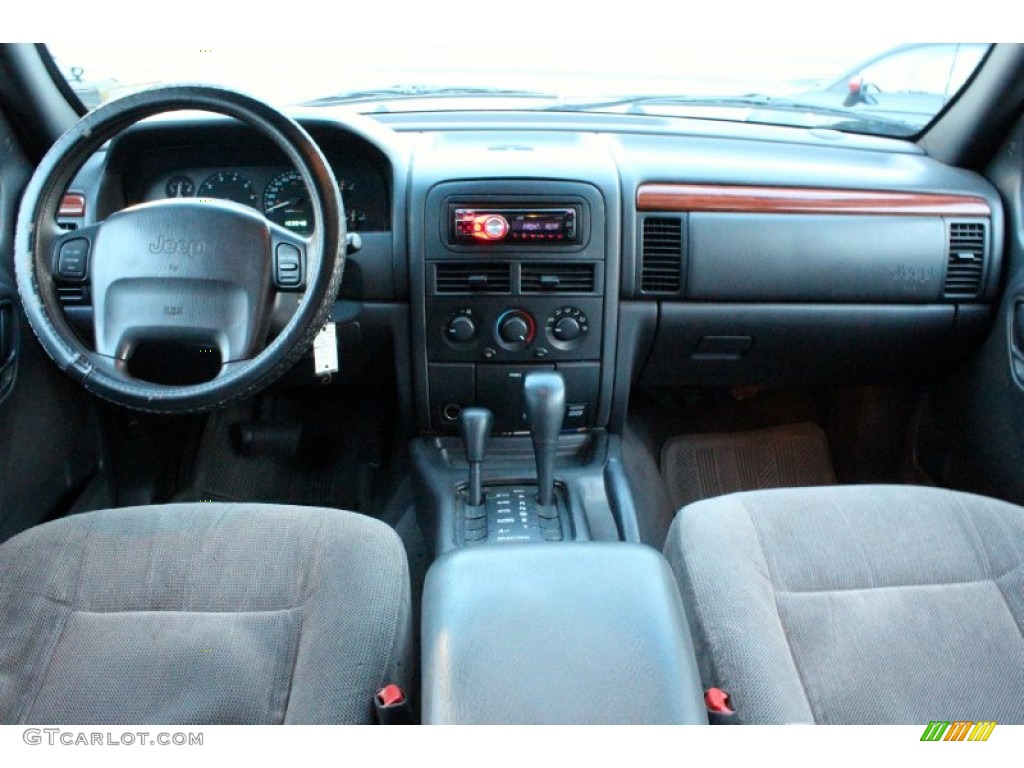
[9,338]
[49,440]
[972,433]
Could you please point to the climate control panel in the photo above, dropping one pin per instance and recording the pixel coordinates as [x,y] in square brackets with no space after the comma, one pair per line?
[518,330]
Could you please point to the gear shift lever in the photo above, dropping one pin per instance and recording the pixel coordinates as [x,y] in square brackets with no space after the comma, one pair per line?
[545,408]
[475,425]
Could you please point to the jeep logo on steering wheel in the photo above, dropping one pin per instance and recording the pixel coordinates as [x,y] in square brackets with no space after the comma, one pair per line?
[191,248]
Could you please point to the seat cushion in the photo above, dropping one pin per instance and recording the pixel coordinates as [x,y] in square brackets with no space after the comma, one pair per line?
[202,613]
[860,604]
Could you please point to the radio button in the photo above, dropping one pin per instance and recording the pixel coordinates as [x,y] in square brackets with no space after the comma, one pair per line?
[495,227]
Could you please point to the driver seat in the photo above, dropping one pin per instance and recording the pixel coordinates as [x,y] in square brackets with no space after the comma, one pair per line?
[202,613]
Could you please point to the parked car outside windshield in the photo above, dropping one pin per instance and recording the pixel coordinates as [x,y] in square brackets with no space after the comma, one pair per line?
[909,83]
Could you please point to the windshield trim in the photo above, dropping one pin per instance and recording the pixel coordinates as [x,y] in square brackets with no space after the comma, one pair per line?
[59,80]
[956,97]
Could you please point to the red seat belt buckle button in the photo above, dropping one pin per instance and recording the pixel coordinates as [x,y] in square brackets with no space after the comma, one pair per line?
[392,706]
[390,695]
[719,704]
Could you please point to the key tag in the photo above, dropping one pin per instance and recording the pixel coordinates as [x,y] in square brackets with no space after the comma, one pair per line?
[325,351]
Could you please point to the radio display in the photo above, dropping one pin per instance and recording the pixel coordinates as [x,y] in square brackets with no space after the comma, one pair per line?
[538,223]
[521,226]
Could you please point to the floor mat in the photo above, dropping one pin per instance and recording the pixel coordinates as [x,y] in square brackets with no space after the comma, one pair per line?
[701,466]
[325,470]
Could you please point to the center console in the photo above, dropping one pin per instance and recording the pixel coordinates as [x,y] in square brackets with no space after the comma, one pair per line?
[514,281]
[540,592]
[515,307]
[557,634]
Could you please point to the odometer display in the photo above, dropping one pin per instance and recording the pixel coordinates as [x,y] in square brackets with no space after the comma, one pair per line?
[286,202]
[230,185]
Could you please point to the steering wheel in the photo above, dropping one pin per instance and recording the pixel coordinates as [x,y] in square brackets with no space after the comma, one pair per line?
[185,270]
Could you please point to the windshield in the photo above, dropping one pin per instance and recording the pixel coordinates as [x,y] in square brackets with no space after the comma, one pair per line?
[886,90]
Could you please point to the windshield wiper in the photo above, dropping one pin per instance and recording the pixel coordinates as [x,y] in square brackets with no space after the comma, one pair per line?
[635,103]
[419,91]
[853,121]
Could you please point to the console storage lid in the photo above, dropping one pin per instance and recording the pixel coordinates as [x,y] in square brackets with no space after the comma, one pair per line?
[557,633]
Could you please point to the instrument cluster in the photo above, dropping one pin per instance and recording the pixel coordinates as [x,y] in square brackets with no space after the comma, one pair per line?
[280,194]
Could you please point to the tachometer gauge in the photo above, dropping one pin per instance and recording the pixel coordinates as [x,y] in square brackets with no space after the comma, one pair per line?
[180,186]
[286,202]
[230,185]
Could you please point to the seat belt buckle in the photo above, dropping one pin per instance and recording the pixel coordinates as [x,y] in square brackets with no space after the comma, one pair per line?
[719,705]
[392,706]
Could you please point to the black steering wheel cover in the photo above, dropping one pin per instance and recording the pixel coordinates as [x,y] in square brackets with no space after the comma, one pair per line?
[37,231]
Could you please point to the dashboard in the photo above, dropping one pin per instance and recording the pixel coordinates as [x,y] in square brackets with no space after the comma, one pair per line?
[616,249]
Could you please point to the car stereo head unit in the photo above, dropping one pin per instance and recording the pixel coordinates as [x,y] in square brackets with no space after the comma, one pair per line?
[526,226]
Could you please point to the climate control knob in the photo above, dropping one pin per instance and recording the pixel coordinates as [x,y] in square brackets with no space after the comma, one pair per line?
[516,329]
[567,329]
[460,329]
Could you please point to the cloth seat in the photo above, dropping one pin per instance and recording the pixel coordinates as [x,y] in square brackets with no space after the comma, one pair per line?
[860,604]
[203,614]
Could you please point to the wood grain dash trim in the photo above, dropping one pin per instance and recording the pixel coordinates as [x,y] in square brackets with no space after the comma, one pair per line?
[707,198]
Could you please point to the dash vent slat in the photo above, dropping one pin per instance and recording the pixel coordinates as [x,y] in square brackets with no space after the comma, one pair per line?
[965,265]
[662,255]
[557,277]
[472,277]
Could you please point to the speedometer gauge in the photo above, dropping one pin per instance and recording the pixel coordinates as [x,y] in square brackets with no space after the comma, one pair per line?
[286,202]
[230,185]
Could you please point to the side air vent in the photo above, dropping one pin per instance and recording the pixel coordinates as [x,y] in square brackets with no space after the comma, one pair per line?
[472,277]
[966,261]
[557,278]
[73,295]
[661,256]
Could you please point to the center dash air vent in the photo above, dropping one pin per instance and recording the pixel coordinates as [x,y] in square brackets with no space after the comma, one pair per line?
[965,266]
[557,277]
[472,277]
[662,255]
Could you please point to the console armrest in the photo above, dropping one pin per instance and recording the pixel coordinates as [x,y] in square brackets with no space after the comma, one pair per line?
[557,633]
